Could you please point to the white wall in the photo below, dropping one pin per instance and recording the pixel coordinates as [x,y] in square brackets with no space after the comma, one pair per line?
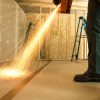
[12,28]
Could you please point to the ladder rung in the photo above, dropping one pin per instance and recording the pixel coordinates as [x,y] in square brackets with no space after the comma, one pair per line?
[83,37]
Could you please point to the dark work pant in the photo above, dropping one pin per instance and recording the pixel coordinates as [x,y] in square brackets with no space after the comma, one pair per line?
[93,35]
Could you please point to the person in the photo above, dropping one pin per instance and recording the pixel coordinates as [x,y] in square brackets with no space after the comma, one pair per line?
[93,35]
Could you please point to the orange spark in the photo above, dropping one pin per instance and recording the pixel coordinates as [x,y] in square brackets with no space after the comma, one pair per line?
[24,59]
[30,50]
[11,73]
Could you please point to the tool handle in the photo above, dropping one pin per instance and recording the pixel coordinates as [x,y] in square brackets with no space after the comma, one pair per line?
[66,6]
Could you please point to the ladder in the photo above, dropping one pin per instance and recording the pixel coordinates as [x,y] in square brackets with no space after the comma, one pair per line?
[81,25]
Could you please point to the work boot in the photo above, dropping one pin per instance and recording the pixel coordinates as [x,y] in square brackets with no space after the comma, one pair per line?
[87,77]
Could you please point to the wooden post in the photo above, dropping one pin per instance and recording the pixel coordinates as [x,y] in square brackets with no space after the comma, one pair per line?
[66,6]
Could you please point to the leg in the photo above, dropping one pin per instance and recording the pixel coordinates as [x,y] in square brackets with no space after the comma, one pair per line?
[97,32]
[93,35]
[92,7]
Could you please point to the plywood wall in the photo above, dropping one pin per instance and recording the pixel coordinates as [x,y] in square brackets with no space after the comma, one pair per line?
[59,43]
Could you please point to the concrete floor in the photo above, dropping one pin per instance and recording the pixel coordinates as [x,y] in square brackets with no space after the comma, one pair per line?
[54,82]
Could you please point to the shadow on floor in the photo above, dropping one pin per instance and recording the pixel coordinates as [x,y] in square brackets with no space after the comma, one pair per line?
[12,93]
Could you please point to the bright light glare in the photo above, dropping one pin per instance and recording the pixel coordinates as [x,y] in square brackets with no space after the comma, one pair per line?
[11,73]
[24,59]
[31,49]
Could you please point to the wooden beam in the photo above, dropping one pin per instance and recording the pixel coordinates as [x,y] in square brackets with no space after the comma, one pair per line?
[66,6]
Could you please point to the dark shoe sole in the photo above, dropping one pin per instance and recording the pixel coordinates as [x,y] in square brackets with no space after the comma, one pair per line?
[88,80]
[95,79]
